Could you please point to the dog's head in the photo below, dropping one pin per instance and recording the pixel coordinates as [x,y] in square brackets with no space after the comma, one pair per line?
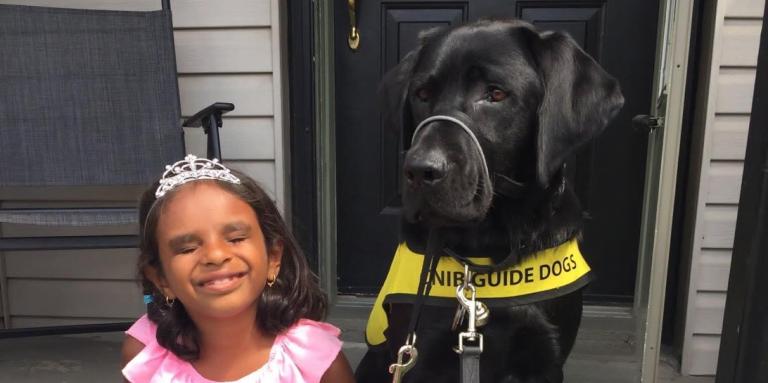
[527,100]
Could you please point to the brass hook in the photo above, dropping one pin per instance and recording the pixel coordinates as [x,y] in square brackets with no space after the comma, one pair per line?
[402,366]
[354,33]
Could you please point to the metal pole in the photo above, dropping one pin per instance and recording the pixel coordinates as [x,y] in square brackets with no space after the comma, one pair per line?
[214,145]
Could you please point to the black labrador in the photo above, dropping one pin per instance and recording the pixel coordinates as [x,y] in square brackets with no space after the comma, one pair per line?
[531,99]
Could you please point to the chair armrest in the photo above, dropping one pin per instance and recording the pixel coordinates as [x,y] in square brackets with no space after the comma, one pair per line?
[215,110]
[210,119]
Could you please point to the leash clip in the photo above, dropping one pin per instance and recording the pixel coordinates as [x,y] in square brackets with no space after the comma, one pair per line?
[399,369]
[474,337]
[471,305]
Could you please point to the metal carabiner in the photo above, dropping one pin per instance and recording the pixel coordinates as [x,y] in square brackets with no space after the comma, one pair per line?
[401,367]
[470,304]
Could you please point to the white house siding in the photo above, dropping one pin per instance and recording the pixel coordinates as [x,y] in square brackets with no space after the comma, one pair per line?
[226,50]
[724,108]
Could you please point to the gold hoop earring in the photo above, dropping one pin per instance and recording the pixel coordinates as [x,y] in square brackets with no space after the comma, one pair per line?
[271,281]
[169,302]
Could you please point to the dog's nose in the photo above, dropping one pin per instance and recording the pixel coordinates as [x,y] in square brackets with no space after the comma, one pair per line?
[425,170]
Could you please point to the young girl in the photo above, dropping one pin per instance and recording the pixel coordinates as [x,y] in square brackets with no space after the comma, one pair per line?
[232,297]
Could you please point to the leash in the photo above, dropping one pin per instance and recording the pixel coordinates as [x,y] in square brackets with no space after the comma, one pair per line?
[407,355]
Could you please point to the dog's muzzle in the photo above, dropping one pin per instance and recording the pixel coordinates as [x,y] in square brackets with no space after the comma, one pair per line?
[462,125]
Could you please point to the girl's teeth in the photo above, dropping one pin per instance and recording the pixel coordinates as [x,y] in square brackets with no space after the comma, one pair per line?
[219,281]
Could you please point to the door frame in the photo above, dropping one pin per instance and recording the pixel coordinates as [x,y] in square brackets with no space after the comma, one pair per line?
[312,136]
[673,54]
[656,227]
[325,128]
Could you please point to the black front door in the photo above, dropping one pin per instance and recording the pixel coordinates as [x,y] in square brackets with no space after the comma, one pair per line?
[608,175]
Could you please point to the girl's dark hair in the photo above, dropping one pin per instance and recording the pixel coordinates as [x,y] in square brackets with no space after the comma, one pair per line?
[295,294]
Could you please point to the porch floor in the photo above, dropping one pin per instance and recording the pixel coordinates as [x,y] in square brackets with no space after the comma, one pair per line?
[603,353]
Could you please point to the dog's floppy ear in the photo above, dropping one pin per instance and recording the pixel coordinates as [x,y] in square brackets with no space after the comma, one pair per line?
[393,89]
[579,100]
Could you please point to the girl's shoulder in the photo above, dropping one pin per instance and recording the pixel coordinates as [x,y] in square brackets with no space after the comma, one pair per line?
[307,333]
[300,354]
[309,347]
[144,330]
[153,360]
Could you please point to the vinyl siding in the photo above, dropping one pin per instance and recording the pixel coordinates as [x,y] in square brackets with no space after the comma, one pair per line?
[724,107]
[226,50]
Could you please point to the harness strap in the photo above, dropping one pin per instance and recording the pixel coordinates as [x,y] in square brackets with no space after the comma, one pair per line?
[470,364]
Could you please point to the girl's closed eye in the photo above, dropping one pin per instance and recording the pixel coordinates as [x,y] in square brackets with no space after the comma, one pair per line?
[184,244]
[188,250]
[238,239]
[237,232]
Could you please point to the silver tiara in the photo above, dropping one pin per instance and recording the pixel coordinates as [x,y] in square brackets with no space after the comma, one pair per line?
[192,168]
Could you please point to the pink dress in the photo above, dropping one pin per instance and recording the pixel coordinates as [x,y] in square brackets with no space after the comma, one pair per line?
[300,354]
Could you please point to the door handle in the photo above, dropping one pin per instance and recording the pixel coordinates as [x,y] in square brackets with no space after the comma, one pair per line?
[354,33]
[646,123]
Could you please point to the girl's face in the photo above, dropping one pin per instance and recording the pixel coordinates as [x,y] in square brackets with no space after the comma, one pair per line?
[212,251]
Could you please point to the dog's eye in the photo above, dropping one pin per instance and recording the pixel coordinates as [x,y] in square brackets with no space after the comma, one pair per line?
[496,95]
[423,94]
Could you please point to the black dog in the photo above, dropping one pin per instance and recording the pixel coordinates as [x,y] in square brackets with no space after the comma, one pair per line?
[531,99]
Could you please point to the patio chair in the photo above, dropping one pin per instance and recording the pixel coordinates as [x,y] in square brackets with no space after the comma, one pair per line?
[88,98]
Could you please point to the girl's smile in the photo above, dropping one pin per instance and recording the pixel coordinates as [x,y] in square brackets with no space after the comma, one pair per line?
[220,282]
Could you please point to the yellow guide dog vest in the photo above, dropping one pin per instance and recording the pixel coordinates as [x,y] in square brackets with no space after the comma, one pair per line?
[547,274]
